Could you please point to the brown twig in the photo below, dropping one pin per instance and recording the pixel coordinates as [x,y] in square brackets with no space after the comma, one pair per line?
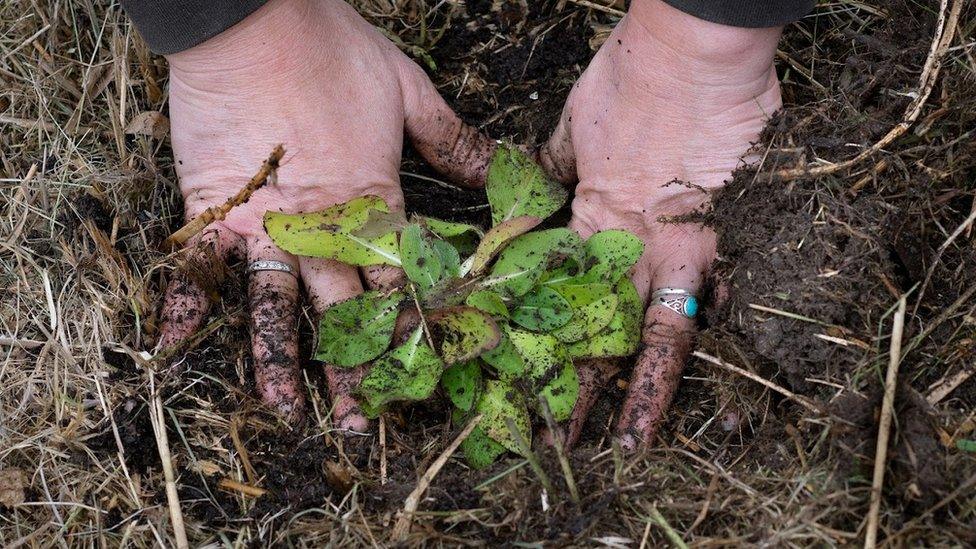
[402,527]
[945,30]
[246,489]
[218,213]
[884,427]
[158,421]
[558,442]
[803,401]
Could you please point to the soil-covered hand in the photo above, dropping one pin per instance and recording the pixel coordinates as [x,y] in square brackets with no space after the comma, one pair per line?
[316,77]
[661,117]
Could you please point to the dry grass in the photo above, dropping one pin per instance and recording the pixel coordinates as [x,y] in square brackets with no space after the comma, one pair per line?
[83,209]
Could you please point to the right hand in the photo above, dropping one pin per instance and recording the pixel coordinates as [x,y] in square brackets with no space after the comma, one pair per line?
[316,77]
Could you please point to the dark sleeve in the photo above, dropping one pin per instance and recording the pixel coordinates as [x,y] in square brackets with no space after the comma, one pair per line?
[746,13]
[169,26]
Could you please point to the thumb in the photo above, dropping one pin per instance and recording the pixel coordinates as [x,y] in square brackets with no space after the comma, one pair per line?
[557,156]
[452,147]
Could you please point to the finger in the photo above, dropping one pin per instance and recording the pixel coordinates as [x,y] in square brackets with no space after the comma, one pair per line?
[329,282]
[273,297]
[451,146]
[593,377]
[667,338]
[187,298]
[557,155]
[383,277]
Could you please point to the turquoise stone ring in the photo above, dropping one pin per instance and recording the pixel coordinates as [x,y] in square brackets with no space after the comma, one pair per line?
[678,300]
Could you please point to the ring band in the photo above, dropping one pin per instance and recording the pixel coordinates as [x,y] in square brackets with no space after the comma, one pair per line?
[270,265]
[678,300]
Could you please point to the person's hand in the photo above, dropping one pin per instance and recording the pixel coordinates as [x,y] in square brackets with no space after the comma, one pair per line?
[316,77]
[668,97]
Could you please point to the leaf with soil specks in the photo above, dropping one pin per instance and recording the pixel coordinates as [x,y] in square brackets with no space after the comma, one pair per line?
[496,239]
[421,263]
[517,186]
[608,255]
[462,333]
[358,330]
[151,123]
[523,262]
[622,335]
[12,484]
[407,373]
[562,391]
[542,310]
[489,302]
[480,450]
[593,308]
[505,358]
[500,401]
[462,236]
[330,233]
[550,368]
[462,383]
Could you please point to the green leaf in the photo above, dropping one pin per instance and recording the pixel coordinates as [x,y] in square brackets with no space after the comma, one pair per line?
[462,333]
[447,229]
[593,307]
[505,358]
[358,330]
[588,320]
[966,445]
[462,383]
[463,237]
[517,186]
[421,263]
[449,258]
[489,302]
[499,401]
[550,370]
[523,262]
[622,335]
[496,239]
[480,450]
[608,255]
[562,391]
[542,310]
[407,373]
[329,233]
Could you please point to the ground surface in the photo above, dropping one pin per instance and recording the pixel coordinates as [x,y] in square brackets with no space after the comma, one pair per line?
[84,206]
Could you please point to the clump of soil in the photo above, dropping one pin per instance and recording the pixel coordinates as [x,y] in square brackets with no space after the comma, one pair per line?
[831,255]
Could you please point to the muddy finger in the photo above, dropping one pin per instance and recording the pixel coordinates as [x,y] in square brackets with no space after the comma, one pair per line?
[329,282]
[273,300]
[187,298]
[667,337]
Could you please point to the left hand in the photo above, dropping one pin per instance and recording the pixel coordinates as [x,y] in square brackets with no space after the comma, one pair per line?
[668,97]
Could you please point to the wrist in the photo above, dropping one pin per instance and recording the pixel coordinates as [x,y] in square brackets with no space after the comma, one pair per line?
[270,39]
[703,49]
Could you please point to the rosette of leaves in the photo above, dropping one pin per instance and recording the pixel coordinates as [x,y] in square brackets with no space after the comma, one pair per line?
[504,312]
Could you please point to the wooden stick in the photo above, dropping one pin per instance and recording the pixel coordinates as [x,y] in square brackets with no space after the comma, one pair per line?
[803,401]
[382,451]
[558,443]
[943,387]
[218,213]
[158,421]
[529,455]
[402,527]
[884,428]
[945,30]
[246,489]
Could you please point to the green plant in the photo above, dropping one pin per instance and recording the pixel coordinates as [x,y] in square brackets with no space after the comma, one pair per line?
[497,329]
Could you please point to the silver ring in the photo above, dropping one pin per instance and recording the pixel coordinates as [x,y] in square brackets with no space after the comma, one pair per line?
[678,300]
[270,265]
